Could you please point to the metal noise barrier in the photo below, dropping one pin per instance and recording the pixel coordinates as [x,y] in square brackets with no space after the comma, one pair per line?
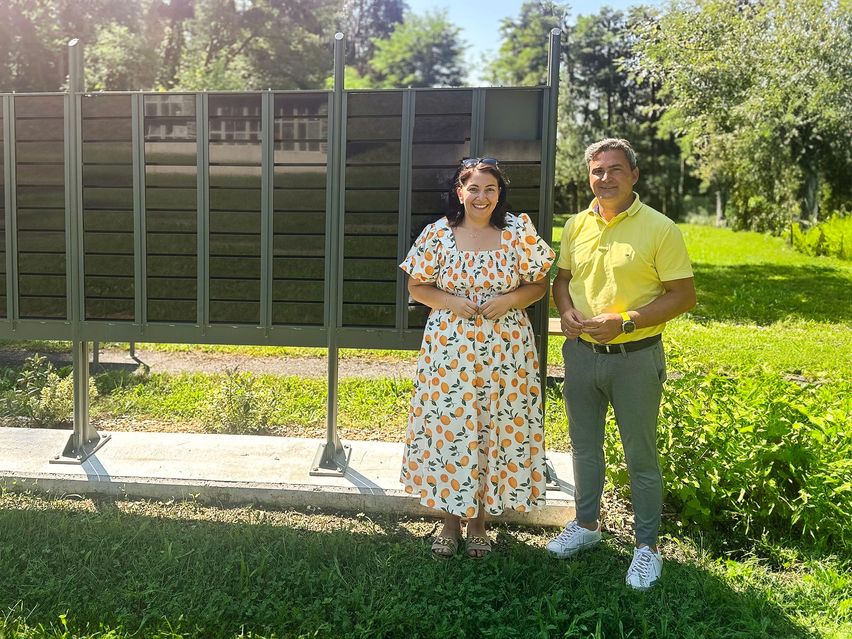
[263,218]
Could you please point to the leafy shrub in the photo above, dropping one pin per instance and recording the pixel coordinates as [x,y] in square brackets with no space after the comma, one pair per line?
[240,404]
[42,394]
[832,237]
[761,452]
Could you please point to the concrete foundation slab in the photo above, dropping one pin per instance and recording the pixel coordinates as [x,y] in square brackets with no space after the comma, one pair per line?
[237,469]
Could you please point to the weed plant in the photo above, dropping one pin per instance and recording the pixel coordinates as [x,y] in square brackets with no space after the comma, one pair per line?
[832,237]
[43,395]
[239,404]
[761,454]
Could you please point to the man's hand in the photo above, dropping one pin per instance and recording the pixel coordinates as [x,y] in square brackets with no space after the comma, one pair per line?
[572,323]
[496,307]
[603,327]
[462,307]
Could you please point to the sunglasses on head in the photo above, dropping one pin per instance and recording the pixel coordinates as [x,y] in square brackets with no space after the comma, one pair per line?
[469,163]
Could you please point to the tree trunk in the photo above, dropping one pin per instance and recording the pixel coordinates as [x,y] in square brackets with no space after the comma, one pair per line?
[720,210]
[811,203]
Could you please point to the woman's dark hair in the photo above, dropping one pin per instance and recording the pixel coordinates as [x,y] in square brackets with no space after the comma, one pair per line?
[462,175]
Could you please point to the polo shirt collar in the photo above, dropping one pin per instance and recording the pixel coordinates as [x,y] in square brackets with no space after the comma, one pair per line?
[632,210]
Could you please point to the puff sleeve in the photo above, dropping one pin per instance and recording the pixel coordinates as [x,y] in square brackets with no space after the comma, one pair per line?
[423,260]
[535,257]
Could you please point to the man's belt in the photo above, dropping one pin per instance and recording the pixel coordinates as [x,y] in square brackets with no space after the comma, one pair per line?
[624,347]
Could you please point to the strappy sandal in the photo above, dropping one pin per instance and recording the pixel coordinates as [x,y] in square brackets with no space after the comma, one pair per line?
[444,548]
[478,547]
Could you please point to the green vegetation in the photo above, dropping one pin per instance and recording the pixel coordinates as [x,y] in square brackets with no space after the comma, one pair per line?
[832,237]
[757,95]
[41,394]
[114,568]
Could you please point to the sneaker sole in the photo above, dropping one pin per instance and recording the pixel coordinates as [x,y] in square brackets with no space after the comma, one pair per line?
[571,553]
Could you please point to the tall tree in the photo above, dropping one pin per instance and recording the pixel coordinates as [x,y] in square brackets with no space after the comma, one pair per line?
[422,51]
[364,22]
[522,58]
[759,94]
[604,97]
[258,44]
[34,35]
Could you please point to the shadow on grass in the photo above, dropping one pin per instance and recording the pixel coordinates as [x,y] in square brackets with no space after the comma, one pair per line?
[140,574]
[767,293]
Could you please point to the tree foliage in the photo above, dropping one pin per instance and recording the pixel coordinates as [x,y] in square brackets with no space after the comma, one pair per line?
[422,51]
[604,98]
[523,55]
[364,22]
[759,94]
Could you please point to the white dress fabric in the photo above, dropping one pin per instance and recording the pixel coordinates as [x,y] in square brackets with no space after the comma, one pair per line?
[475,431]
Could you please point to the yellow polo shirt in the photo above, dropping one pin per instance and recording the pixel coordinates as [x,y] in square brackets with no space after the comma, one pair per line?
[621,265]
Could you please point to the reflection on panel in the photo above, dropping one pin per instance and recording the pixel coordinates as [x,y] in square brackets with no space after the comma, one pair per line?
[442,132]
[513,129]
[234,195]
[300,138]
[171,219]
[371,208]
[3,305]
[40,215]
[108,208]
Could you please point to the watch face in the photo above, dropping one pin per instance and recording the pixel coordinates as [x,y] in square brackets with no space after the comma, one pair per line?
[628,326]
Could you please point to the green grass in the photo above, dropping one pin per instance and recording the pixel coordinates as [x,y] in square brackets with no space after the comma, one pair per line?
[116,568]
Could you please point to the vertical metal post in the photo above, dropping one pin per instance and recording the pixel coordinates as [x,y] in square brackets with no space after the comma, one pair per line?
[140,267]
[332,457]
[548,179]
[266,208]
[85,440]
[203,209]
[404,219]
[10,205]
[477,122]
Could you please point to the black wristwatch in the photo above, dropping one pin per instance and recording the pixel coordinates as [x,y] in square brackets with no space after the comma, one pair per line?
[627,324]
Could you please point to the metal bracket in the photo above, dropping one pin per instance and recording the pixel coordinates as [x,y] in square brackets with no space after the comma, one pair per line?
[75,453]
[331,461]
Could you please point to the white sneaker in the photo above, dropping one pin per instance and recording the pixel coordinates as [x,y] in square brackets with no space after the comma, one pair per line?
[645,569]
[572,540]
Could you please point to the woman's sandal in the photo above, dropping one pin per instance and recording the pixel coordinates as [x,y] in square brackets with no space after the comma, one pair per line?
[444,547]
[478,547]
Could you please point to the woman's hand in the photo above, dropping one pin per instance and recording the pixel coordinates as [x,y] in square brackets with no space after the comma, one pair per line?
[496,307]
[462,307]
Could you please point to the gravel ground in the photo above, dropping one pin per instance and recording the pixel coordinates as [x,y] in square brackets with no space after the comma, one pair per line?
[196,362]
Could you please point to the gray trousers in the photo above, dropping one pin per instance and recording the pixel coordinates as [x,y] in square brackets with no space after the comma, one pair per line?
[633,384]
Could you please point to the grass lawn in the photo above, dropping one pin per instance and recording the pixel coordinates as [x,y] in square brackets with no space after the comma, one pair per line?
[113,568]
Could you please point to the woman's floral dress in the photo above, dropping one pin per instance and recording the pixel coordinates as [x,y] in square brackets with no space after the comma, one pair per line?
[475,425]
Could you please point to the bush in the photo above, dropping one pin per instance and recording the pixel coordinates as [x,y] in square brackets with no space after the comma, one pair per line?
[43,395]
[832,237]
[762,453]
[240,404]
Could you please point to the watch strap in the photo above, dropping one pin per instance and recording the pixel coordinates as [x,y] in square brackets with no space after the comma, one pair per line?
[625,316]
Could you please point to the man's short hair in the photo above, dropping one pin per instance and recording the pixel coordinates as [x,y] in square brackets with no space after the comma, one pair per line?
[611,144]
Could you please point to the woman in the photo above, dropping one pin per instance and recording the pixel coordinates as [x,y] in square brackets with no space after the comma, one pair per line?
[475,441]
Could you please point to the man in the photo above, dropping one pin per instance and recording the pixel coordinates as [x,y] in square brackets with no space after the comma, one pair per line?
[623,273]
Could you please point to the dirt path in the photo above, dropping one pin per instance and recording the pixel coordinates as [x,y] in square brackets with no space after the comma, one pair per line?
[197,362]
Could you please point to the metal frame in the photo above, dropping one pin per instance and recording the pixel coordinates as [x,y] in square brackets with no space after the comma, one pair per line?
[332,457]
[10,206]
[85,440]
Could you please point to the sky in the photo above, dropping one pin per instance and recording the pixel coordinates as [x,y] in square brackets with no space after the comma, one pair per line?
[480,21]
